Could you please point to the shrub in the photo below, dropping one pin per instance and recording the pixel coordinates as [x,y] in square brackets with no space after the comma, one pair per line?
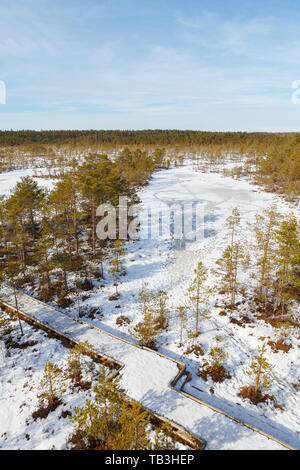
[123,321]
[84,284]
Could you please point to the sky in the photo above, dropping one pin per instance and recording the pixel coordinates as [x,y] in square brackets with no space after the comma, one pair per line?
[150,64]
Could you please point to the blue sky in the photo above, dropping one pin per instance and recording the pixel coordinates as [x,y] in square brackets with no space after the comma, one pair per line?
[127,64]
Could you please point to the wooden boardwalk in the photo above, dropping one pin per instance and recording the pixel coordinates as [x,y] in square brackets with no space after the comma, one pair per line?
[150,378]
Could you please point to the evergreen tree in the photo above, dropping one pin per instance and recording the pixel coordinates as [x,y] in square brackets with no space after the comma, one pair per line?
[11,274]
[265,230]
[133,429]
[64,262]
[99,418]
[4,233]
[146,331]
[228,267]
[287,257]
[43,249]
[100,182]
[65,200]
[75,361]
[29,197]
[161,310]
[116,262]
[218,356]
[52,383]
[232,258]
[116,424]
[260,370]
[232,222]
[181,314]
[198,295]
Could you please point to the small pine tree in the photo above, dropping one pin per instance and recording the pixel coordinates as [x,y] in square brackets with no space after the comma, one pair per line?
[233,257]
[218,356]
[98,418]
[264,229]
[52,385]
[43,247]
[75,361]
[161,308]
[11,274]
[232,222]
[260,370]
[181,314]
[163,439]
[116,263]
[146,331]
[133,429]
[198,294]
[287,256]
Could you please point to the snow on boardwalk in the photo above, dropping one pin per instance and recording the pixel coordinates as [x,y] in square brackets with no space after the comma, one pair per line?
[146,377]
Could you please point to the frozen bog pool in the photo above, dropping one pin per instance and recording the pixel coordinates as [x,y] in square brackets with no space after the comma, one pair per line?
[9,180]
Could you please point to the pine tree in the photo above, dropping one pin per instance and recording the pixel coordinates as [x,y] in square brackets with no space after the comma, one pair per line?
[229,263]
[98,419]
[265,229]
[181,314]
[161,309]
[133,432]
[11,274]
[116,263]
[52,385]
[146,331]
[29,197]
[4,232]
[115,423]
[20,237]
[218,356]
[65,198]
[199,294]
[228,266]
[286,258]
[260,370]
[96,191]
[232,222]
[43,249]
[63,260]
[75,364]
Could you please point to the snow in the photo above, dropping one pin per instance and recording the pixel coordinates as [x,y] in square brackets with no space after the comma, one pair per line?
[9,180]
[146,376]
[164,267]
[20,374]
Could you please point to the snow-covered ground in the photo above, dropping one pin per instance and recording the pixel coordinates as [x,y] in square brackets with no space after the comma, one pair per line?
[9,179]
[146,378]
[158,262]
[165,266]
[21,371]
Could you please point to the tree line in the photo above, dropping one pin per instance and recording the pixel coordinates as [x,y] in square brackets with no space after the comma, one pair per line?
[143,137]
[272,158]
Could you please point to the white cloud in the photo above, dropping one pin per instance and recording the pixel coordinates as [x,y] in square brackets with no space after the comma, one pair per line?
[72,74]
